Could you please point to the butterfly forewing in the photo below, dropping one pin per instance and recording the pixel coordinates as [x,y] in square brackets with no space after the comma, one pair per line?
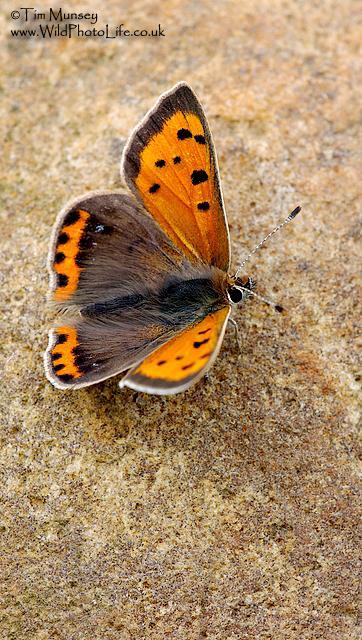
[170,164]
[103,246]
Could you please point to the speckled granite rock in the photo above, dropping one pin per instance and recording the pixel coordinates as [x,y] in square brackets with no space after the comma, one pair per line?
[230,511]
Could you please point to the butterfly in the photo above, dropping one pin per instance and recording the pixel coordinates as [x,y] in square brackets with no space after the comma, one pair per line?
[143,279]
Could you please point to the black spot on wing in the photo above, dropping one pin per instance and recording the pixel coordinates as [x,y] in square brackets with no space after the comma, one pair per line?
[199,343]
[62,280]
[155,187]
[63,238]
[59,257]
[71,218]
[198,176]
[183,134]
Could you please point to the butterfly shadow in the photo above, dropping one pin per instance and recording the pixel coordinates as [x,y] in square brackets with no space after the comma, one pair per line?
[125,413]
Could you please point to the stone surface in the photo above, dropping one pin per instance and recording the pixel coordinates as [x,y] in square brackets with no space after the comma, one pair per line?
[230,511]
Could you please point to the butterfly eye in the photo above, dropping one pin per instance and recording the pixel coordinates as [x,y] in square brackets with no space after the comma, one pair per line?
[236,295]
[240,290]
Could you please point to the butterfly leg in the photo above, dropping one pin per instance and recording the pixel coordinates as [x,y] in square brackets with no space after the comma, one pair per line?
[236,332]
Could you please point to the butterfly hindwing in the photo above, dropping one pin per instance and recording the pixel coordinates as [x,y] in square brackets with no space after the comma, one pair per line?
[171,166]
[92,347]
[87,350]
[183,359]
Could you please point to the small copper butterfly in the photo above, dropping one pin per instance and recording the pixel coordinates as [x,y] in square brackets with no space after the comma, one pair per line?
[144,278]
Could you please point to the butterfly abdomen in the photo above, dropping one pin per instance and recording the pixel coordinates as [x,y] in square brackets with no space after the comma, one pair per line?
[179,302]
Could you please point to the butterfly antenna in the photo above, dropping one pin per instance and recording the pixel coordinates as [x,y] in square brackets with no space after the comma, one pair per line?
[276,307]
[291,216]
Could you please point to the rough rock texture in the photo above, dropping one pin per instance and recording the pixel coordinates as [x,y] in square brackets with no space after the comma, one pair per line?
[230,511]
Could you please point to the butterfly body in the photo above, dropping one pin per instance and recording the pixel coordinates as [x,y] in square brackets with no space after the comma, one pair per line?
[144,278]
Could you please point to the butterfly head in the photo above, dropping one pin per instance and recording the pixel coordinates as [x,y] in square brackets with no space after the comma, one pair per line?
[239,289]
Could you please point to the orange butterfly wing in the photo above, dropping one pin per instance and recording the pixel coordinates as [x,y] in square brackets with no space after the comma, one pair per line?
[170,164]
[63,260]
[181,361]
